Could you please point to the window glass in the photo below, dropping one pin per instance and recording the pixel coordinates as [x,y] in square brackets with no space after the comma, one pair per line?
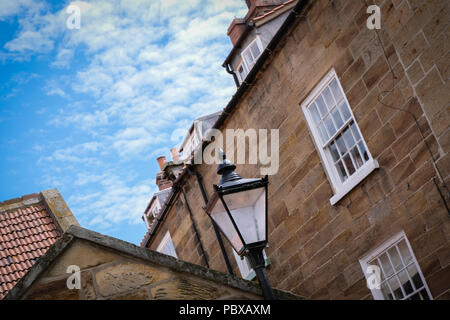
[400,276]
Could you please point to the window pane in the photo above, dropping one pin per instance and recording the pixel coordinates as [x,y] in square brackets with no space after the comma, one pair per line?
[415,276]
[314,113]
[336,90]
[415,297]
[387,268]
[255,50]
[386,292]
[321,105]
[242,73]
[341,145]
[393,283]
[407,286]
[355,131]
[349,164]
[348,137]
[404,251]
[337,118]
[357,157]
[328,98]
[424,294]
[248,58]
[323,133]
[395,259]
[341,170]
[334,151]
[330,126]
[343,107]
[363,150]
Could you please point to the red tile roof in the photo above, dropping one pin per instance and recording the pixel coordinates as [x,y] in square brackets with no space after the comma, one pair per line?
[26,233]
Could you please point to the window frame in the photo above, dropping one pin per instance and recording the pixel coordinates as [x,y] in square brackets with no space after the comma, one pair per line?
[340,188]
[154,210]
[248,48]
[384,247]
[167,240]
[241,64]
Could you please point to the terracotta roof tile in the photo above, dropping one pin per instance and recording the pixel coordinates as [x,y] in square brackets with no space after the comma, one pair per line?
[25,235]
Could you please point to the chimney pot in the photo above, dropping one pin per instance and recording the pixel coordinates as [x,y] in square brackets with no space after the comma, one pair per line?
[161,161]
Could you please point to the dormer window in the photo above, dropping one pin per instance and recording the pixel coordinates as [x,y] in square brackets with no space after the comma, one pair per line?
[249,56]
[155,211]
[252,53]
[242,72]
[190,145]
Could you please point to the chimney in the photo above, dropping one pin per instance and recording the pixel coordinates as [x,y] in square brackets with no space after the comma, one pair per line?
[162,182]
[161,161]
[175,154]
[161,179]
[236,29]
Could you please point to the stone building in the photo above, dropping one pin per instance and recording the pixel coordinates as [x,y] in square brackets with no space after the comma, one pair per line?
[111,269]
[364,166]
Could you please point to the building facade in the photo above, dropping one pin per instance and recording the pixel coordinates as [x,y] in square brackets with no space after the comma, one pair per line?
[363,119]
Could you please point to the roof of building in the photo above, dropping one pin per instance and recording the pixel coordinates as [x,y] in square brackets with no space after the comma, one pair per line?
[28,227]
[75,233]
[207,123]
[255,21]
[161,196]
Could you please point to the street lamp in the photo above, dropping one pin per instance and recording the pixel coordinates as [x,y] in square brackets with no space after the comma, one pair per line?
[239,207]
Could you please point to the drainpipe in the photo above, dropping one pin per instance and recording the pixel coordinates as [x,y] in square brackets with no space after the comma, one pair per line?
[216,229]
[194,226]
[236,81]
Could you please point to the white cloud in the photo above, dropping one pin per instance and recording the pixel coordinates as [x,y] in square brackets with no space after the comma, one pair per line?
[63,58]
[12,8]
[119,201]
[132,141]
[150,68]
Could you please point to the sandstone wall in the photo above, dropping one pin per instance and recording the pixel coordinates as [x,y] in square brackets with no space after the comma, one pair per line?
[314,246]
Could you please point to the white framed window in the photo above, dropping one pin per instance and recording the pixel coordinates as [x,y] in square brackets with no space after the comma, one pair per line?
[242,71]
[191,144]
[336,134]
[166,246]
[155,208]
[400,277]
[245,269]
[251,53]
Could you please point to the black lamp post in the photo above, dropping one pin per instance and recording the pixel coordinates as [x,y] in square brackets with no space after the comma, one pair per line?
[239,208]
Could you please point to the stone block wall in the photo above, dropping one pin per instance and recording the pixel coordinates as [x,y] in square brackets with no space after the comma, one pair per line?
[396,81]
[110,275]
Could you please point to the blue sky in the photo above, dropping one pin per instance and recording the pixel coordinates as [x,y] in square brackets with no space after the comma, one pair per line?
[88,110]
